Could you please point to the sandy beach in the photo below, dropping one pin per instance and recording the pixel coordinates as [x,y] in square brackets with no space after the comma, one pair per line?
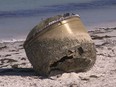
[16,70]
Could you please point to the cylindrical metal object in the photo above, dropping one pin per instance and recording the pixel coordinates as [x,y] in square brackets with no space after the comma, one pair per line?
[60,43]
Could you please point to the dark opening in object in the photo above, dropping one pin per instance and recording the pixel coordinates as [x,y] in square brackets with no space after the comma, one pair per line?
[61,60]
[80,49]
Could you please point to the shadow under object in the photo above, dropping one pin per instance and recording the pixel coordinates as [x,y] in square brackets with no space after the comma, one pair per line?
[60,43]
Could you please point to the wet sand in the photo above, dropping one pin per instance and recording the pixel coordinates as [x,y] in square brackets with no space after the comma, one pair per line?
[16,70]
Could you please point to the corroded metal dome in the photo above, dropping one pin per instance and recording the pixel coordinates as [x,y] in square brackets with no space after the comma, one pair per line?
[60,43]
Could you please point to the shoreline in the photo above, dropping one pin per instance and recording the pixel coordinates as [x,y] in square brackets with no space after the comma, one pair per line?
[101,25]
[88,27]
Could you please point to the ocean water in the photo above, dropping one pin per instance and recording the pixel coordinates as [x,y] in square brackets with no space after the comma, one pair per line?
[18,17]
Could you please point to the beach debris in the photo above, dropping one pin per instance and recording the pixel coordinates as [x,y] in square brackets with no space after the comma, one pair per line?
[7,60]
[85,78]
[7,55]
[15,66]
[2,47]
[93,76]
[60,43]
[100,37]
[23,58]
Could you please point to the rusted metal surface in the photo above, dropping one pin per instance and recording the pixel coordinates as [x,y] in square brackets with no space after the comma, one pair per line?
[60,43]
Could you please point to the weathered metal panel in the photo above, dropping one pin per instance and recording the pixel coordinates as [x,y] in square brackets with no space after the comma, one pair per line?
[60,45]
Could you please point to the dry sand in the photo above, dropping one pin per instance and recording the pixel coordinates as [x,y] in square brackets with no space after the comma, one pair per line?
[16,70]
